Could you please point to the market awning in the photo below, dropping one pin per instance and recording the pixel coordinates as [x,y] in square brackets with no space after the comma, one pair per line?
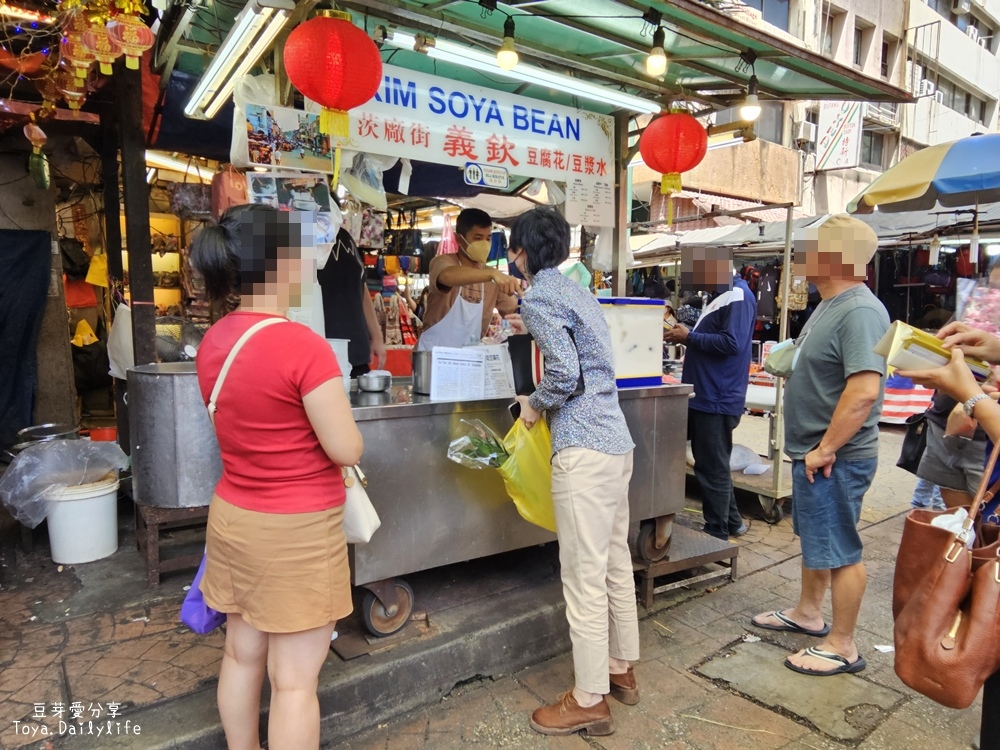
[606,42]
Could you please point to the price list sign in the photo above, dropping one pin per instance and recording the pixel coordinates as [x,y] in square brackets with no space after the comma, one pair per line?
[590,203]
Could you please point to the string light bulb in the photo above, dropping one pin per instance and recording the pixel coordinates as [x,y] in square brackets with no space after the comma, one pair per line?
[437,218]
[507,57]
[750,109]
[656,63]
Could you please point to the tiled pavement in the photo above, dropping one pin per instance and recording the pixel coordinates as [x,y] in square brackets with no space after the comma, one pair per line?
[140,656]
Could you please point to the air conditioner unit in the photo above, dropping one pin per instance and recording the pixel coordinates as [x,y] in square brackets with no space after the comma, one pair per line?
[939,97]
[973,33]
[805,131]
[926,88]
[984,42]
[962,7]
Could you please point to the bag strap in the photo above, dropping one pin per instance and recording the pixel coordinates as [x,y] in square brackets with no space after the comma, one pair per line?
[229,361]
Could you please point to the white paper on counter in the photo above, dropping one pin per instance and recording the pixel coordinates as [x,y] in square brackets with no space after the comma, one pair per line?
[457,374]
[498,372]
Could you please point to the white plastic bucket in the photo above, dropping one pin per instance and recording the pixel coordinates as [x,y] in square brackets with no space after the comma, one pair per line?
[339,347]
[83,521]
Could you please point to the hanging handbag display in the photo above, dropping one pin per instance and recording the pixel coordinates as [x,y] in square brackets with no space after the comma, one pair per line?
[190,198]
[946,603]
[229,188]
[914,442]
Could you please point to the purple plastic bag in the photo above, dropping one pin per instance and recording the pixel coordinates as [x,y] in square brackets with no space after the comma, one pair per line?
[194,612]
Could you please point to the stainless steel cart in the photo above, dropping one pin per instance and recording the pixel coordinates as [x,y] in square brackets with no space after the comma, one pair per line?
[435,512]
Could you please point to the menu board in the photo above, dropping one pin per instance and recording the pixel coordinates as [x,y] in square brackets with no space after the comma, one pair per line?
[590,203]
[474,373]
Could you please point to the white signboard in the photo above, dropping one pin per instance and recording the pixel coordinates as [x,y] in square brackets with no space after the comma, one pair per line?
[590,203]
[838,144]
[438,120]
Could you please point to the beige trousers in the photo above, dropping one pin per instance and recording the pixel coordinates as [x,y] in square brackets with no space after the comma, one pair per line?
[590,494]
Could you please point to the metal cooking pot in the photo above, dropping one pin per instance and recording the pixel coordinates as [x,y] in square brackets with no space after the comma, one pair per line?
[52,431]
[422,372]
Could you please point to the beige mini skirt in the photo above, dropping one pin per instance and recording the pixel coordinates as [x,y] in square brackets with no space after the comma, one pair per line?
[283,572]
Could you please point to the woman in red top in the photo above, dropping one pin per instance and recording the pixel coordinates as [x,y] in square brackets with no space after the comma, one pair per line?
[277,555]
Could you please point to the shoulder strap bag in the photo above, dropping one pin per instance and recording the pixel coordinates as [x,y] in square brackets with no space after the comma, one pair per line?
[946,602]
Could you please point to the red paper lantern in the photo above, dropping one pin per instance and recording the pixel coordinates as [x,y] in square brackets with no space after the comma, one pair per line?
[133,36]
[673,143]
[105,49]
[334,63]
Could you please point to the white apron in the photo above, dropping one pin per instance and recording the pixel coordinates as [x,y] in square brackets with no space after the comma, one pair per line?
[462,326]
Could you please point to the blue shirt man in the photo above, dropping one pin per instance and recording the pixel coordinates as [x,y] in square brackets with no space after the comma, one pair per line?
[717,364]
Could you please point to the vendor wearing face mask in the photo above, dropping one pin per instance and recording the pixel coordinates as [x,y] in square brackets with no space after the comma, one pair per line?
[463,291]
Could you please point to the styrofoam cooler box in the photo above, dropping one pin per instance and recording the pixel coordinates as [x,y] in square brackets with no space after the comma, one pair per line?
[636,327]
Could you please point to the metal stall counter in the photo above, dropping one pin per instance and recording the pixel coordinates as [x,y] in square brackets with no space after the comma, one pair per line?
[435,512]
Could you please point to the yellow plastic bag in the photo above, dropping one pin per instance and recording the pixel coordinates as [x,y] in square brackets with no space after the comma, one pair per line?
[527,474]
[98,272]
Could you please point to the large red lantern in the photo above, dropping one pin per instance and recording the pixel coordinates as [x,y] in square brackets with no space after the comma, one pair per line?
[334,63]
[673,143]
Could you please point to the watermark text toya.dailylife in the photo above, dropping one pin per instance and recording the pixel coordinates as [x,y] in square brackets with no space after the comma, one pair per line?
[91,719]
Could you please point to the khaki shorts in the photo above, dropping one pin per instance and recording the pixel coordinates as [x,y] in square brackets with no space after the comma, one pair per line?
[283,572]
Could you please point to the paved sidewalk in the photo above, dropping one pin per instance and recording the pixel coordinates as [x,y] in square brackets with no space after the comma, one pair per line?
[688,633]
[96,635]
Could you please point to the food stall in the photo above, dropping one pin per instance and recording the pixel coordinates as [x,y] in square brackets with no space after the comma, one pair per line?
[434,512]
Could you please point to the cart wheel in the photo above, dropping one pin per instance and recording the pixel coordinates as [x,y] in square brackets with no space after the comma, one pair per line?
[377,621]
[772,510]
[646,544]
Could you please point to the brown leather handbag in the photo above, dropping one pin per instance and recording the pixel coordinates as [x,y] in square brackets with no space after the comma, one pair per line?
[946,603]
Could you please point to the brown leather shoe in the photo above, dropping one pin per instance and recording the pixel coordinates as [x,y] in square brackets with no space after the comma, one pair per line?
[566,717]
[623,688]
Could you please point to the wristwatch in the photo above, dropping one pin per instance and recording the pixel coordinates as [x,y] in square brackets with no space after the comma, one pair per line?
[970,405]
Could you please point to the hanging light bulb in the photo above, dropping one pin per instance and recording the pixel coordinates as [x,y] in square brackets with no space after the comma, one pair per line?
[507,56]
[974,250]
[935,251]
[656,63]
[750,109]
[437,218]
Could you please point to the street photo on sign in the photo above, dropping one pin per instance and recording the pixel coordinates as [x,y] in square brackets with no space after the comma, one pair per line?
[290,192]
[282,137]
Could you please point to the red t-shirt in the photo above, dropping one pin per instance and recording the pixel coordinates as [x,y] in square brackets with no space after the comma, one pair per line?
[272,461]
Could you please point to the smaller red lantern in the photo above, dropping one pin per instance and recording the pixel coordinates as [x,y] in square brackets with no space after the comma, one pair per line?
[105,49]
[133,36]
[77,57]
[673,143]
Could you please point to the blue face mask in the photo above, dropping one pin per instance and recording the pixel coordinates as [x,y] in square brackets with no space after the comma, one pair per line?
[514,271]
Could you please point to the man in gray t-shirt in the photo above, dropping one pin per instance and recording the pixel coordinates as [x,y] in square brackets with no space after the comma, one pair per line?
[833,401]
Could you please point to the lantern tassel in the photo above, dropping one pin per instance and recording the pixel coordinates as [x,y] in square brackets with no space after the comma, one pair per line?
[670,183]
[336,124]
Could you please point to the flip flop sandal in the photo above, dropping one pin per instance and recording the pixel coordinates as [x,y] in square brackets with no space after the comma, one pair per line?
[789,625]
[843,665]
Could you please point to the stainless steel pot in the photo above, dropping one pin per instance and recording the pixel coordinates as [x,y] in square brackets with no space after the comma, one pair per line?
[422,373]
[51,431]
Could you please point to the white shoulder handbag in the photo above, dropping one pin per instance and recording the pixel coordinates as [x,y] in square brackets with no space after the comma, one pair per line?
[360,518]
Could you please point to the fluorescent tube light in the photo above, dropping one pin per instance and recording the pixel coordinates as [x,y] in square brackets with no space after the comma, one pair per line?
[162,161]
[468,58]
[253,30]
